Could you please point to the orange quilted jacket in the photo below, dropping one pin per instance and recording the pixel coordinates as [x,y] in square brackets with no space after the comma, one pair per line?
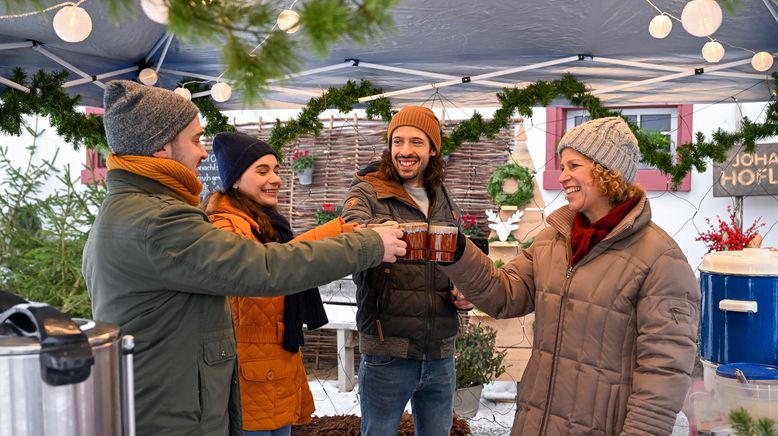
[273,384]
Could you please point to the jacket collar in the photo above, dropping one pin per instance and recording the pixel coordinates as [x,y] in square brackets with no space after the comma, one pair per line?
[385,188]
[220,204]
[125,182]
[562,220]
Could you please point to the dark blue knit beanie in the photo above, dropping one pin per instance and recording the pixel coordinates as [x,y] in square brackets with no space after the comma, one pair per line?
[235,152]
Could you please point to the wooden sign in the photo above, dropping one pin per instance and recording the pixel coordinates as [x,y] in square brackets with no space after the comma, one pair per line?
[747,173]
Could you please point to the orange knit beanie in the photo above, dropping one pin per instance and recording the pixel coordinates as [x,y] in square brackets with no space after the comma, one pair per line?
[419,117]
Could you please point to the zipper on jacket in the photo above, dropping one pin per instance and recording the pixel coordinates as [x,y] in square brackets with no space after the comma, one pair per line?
[557,341]
[430,312]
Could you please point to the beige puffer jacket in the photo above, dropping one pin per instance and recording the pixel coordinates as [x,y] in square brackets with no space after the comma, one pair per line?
[615,337]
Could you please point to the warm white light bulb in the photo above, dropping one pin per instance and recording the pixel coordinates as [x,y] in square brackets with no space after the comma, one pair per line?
[221,92]
[156,10]
[762,61]
[701,17]
[147,76]
[183,92]
[660,26]
[712,51]
[288,21]
[72,24]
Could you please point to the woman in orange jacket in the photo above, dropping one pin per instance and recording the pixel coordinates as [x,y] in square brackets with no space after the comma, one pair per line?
[273,385]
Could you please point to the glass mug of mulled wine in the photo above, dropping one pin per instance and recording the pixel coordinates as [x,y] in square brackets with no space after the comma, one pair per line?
[442,243]
[415,235]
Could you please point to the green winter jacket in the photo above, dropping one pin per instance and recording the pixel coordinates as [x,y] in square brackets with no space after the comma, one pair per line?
[156,266]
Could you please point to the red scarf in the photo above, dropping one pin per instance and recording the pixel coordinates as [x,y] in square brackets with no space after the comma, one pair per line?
[583,235]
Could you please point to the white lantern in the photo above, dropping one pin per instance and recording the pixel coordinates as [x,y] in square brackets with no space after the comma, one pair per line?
[183,92]
[221,92]
[762,61]
[156,10]
[713,51]
[72,24]
[660,26]
[147,76]
[288,21]
[701,17]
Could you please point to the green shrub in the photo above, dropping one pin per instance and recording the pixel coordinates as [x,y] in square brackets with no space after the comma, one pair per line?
[42,238]
[477,360]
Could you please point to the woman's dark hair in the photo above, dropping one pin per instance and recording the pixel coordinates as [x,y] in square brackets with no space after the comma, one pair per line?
[433,175]
[254,210]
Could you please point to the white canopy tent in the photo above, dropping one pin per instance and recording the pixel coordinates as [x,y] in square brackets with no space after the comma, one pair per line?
[465,51]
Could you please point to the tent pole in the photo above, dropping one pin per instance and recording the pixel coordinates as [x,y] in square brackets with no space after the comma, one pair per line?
[675,69]
[13,84]
[102,76]
[164,53]
[157,46]
[458,79]
[39,48]
[13,45]
[660,79]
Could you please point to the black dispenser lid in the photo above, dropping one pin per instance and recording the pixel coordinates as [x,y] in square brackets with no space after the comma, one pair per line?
[65,353]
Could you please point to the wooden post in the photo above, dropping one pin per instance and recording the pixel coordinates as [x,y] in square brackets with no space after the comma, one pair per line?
[345,360]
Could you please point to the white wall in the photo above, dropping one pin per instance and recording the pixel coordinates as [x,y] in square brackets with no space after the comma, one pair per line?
[681,214]
[49,146]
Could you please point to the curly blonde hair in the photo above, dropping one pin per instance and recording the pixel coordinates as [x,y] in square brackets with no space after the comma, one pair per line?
[613,185]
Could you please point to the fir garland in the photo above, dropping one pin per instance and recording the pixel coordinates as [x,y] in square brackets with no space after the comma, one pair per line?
[653,146]
[343,98]
[47,98]
[523,194]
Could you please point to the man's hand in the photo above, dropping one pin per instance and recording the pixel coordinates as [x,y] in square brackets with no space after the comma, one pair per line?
[393,244]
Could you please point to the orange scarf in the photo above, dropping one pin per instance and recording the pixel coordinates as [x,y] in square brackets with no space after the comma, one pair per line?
[169,172]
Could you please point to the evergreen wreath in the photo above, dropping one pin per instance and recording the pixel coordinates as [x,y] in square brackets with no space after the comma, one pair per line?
[525,190]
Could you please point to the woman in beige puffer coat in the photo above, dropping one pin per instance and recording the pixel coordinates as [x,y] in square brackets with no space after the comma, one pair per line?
[616,303]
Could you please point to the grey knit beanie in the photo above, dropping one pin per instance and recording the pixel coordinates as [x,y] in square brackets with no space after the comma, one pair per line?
[607,141]
[140,120]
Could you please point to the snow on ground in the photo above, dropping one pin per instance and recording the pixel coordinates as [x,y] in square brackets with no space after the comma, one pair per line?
[494,418]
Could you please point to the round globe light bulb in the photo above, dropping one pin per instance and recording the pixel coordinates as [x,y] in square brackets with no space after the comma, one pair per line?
[221,92]
[701,17]
[762,61]
[72,24]
[713,51]
[660,26]
[147,76]
[288,21]
[183,92]
[156,10]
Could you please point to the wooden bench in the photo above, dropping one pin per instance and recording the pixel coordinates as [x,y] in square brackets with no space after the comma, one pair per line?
[343,319]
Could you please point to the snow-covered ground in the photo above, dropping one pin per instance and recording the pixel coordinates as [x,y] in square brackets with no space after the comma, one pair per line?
[494,417]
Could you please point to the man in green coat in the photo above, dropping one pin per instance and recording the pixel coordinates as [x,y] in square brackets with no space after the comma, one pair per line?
[155,265]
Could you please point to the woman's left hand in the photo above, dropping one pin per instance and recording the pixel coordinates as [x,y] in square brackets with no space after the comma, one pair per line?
[460,301]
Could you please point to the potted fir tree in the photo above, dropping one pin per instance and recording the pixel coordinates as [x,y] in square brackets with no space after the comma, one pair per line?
[477,362]
[302,164]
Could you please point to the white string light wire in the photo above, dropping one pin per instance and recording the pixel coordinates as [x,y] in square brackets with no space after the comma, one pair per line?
[42,11]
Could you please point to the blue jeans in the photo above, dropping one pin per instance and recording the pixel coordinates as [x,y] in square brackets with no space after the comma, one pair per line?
[387,383]
[283,431]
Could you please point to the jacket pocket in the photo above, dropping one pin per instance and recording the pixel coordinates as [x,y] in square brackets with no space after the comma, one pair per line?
[383,289]
[267,370]
[216,371]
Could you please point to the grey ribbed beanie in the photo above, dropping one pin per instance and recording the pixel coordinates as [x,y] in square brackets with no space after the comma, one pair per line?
[607,141]
[140,120]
